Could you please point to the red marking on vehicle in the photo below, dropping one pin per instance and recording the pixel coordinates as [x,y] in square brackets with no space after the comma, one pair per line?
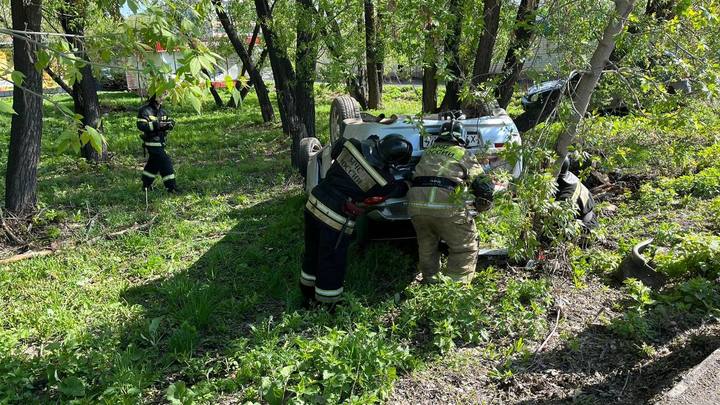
[374,200]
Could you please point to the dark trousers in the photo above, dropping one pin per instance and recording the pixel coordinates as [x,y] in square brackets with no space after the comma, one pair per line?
[159,166]
[324,264]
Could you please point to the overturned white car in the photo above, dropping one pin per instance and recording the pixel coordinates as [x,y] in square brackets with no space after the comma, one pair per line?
[487,135]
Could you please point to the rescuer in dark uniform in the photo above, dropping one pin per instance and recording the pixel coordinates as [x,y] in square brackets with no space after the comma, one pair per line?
[154,123]
[570,188]
[360,170]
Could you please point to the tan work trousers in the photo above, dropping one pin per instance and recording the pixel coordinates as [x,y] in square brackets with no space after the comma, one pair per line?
[459,233]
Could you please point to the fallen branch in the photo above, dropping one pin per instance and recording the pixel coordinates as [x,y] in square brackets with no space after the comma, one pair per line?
[8,232]
[136,227]
[27,255]
[547,339]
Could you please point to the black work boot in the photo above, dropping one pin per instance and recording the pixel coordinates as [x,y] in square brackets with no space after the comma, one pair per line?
[308,301]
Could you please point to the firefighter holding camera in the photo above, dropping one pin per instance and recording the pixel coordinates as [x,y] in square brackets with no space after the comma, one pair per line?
[155,124]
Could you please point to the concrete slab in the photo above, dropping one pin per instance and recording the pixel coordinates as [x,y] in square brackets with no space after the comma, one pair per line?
[700,386]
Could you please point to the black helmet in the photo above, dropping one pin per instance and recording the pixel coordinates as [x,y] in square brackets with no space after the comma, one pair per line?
[452,132]
[392,150]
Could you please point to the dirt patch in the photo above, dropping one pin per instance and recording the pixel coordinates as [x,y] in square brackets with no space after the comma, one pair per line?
[583,361]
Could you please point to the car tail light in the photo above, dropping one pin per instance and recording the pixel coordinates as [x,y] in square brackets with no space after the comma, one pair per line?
[374,200]
[499,145]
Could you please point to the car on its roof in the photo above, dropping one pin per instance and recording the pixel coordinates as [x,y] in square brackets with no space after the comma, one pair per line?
[486,135]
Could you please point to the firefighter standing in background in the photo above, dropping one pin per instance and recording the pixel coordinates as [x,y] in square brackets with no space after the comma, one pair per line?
[570,188]
[154,123]
[438,207]
[360,170]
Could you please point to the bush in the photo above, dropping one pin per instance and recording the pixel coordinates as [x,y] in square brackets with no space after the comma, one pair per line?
[695,255]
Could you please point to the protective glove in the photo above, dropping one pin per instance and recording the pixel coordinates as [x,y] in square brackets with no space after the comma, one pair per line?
[483,190]
[167,125]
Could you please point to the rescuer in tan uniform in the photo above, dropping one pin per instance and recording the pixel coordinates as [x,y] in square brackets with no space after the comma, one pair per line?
[439,208]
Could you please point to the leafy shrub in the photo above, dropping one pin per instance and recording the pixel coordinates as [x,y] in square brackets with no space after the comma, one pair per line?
[694,255]
[705,184]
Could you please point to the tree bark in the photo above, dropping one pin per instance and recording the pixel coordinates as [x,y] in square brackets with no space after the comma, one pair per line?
[261,90]
[59,80]
[486,44]
[589,80]
[380,54]
[26,125]
[429,83]
[305,62]
[84,91]
[513,64]
[451,101]
[371,58]
[284,76]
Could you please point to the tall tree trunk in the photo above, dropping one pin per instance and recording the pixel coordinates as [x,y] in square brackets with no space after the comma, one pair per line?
[59,80]
[261,90]
[85,98]
[380,54]
[213,90]
[285,78]
[486,44]
[451,101]
[259,66]
[245,88]
[305,61]
[589,80]
[26,124]
[429,83]
[332,35]
[522,36]
[371,59]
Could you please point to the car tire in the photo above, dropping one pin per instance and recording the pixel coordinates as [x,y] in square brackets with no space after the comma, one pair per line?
[308,147]
[342,108]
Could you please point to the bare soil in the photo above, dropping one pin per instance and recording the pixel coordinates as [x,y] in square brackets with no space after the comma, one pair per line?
[584,361]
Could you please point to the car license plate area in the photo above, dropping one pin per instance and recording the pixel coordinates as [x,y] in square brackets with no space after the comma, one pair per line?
[471,141]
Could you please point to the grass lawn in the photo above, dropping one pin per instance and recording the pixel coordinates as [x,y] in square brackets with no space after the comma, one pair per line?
[200,301]
[194,297]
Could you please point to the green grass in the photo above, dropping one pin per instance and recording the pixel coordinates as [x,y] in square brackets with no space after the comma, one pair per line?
[202,303]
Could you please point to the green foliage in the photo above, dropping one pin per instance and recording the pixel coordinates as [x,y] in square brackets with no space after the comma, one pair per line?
[203,303]
[694,255]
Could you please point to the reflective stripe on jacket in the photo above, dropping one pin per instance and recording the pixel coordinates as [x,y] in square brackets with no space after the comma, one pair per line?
[449,161]
[350,177]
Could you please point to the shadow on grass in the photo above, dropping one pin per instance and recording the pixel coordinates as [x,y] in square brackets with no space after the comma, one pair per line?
[211,320]
[242,288]
[611,364]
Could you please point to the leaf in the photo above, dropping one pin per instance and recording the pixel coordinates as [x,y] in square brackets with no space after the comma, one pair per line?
[95,137]
[237,97]
[187,25]
[17,77]
[68,140]
[72,386]
[43,59]
[229,83]
[7,109]
[195,102]
[286,371]
[195,67]
[132,4]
